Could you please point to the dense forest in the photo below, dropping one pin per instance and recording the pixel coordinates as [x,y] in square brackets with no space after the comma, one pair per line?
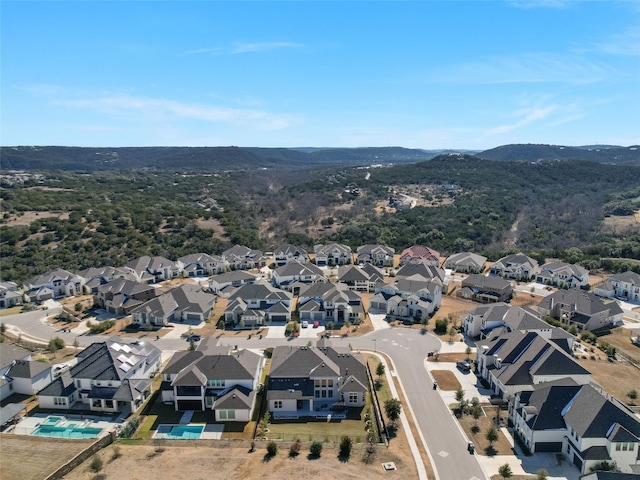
[563,209]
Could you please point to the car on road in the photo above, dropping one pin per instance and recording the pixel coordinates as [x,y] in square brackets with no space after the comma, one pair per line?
[195,337]
[60,368]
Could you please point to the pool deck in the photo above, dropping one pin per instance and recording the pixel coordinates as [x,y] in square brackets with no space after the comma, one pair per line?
[27,425]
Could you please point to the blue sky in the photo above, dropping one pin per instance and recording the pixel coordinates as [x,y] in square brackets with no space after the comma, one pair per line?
[418,74]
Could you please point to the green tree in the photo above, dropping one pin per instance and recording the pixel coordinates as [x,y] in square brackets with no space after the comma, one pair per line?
[541,474]
[315,449]
[393,407]
[272,449]
[345,446]
[505,471]
[633,395]
[380,369]
[491,435]
[56,344]
[468,351]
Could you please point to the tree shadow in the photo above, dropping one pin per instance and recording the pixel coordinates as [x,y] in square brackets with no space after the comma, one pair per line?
[490,451]
[267,457]
[311,456]
[344,457]
[392,431]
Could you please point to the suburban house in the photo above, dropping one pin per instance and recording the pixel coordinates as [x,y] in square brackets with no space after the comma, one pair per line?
[420,253]
[585,425]
[315,381]
[152,269]
[378,255]
[332,254]
[109,377]
[482,321]
[27,377]
[295,272]
[516,361]
[415,294]
[330,302]
[120,296]
[256,304]
[466,262]
[94,277]
[583,309]
[217,379]
[55,284]
[240,257]
[225,283]
[199,265]
[10,295]
[625,286]
[187,302]
[360,279]
[10,356]
[516,266]
[563,275]
[485,289]
[284,254]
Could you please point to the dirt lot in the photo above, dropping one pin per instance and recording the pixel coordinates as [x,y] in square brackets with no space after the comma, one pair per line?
[33,458]
[143,462]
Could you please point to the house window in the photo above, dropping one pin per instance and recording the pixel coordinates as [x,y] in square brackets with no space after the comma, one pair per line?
[59,401]
[108,403]
[215,383]
[222,414]
[96,403]
[231,414]
[618,447]
[277,404]
[353,397]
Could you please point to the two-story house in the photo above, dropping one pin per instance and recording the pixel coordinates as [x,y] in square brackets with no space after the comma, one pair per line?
[213,378]
[332,254]
[109,376]
[121,296]
[563,275]
[295,272]
[10,295]
[583,309]
[330,302]
[240,257]
[57,283]
[226,283]
[93,277]
[199,265]
[186,302]
[152,269]
[466,262]
[286,253]
[256,304]
[584,425]
[482,321]
[420,253]
[361,278]
[315,381]
[625,286]
[378,255]
[516,361]
[516,266]
[19,373]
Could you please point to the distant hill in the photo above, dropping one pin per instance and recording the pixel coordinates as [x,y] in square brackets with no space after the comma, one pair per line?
[200,158]
[594,153]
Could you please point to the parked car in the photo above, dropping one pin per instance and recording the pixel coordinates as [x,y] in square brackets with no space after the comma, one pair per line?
[316,324]
[464,366]
[196,337]
[60,368]
[305,324]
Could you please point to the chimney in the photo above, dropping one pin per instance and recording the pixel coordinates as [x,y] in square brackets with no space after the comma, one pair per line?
[498,363]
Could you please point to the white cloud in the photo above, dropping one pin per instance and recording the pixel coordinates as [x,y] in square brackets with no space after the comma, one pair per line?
[626,43]
[525,68]
[249,47]
[524,116]
[538,3]
[41,89]
[155,109]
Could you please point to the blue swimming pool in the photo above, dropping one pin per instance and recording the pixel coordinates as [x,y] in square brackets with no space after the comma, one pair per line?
[52,420]
[179,432]
[73,430]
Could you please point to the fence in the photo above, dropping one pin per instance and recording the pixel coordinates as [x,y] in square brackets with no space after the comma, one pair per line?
[383,435]
[82,456]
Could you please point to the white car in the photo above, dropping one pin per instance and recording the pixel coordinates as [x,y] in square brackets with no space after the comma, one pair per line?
[61,367]
[305,324]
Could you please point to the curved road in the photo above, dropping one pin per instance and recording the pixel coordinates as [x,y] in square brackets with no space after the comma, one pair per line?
[407,349]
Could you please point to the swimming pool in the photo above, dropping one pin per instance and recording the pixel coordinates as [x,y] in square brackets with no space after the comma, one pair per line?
[60,427]
[179,432]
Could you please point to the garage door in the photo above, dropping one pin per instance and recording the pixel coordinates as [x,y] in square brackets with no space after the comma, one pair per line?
[189,405]
[278,318]
[548,447]
[193,316]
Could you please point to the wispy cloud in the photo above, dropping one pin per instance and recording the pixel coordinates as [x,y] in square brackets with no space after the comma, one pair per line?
[626,43]
[526,68]
[538,3]
[239,48]
[158,109]
[41,89]
[524,117]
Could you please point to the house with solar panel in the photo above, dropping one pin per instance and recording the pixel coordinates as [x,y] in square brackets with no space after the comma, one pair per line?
[109,376]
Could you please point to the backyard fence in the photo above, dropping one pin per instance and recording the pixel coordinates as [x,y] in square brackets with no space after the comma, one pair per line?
[383,435]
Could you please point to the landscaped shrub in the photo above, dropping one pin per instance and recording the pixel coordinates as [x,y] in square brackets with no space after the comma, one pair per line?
[130,427]
[441,325]
[272,449]
[56,344]
[315,449]
[295,448]
[345,446]
[100,327]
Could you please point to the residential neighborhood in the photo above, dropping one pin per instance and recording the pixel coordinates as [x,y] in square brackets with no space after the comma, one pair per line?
[522,364]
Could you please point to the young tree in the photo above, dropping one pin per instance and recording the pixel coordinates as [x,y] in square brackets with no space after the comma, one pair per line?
[468,352]
[272,449]
[315,449]
[492,435]
[380,371]
[541,474]
[505,471]
[96,464]
[392,408]
[345,446]
[633,395]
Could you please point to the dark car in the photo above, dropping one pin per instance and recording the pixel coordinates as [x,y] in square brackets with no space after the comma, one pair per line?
[196,337]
